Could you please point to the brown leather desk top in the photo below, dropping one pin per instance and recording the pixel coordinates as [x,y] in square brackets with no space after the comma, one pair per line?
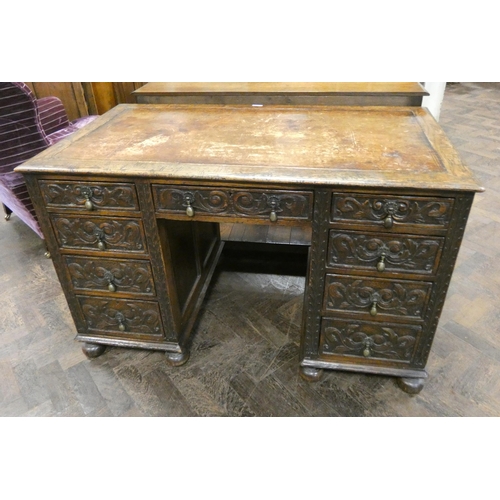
[320,145]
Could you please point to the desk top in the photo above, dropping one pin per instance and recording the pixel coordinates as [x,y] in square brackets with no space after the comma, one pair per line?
[282,88]
[317,145]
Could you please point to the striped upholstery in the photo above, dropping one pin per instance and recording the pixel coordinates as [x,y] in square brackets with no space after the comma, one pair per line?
[27,127]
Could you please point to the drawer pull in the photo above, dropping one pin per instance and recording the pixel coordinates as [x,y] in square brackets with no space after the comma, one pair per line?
[381,263]
[274,202]
[366,351]
[110,278]
[188,199]
[388,222]
[121,322]
[373,309]
[87,192]
[101,245]
[189,210]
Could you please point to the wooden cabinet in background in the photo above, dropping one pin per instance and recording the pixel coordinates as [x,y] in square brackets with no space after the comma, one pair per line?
[86,98]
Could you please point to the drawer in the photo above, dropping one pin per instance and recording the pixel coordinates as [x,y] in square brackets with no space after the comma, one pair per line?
[110,276]
[368,340]
[384,253]
[121,318]
[391,212]
[376,298]
[246,204]
[99,233]
[89,195]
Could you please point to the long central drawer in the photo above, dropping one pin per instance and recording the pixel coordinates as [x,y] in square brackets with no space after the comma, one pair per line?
[247,204]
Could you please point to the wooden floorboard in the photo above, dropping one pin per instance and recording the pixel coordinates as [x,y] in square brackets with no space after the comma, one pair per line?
[245,349]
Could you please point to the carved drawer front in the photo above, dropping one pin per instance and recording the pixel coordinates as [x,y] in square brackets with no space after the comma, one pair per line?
[119,317]
[387,212]
[367,340]
[89,195]
[110,276]
[384,253]
[99,233]
[256,204]
[376,298]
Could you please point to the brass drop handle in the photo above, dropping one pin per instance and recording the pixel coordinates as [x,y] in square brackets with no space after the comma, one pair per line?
[273,203]
[100,244]
[388,222]
[381,263]
[108,276]
[189,209]
[87,192]
[366,351]
[373,309]
[121,322]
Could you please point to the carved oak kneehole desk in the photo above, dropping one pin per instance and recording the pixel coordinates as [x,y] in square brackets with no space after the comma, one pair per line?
[131,205]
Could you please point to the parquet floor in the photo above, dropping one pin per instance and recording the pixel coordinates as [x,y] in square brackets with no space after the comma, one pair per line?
[245,350]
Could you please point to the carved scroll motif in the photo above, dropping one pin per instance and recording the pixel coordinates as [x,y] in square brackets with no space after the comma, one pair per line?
[392,297]
[129,276]
[395,342]
[240,203]
[135,317]
[122,235]
[407,253]
[121,196]
[410,210]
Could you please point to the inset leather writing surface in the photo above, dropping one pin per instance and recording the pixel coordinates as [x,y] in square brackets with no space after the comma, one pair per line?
[363,146]
[385,140]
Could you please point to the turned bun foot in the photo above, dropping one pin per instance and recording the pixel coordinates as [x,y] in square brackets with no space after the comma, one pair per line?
[411,385]
[310,374]
[177,358]
[93,350]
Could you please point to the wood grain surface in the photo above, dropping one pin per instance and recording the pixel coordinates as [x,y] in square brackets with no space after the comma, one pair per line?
[280,88]
[365,146]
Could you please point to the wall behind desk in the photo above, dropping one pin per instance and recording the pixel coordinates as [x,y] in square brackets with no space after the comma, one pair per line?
[87,98]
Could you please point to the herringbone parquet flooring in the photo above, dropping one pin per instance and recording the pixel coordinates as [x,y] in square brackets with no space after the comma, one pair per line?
[245,350]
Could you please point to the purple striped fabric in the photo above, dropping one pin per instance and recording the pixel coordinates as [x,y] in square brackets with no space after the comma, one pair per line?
[27,127]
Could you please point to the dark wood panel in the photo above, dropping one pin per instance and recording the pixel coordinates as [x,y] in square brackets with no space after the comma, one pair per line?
[384,254]
[368,341]
[289,93]
[70,93]
[111,276]
[380,298]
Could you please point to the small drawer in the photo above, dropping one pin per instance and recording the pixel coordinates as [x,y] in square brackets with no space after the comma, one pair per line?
[122,318]
[99,233]
[384,253]
[368,340]
[110,276]
[89,195]
[391,212]
[245,204]
[376,298]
